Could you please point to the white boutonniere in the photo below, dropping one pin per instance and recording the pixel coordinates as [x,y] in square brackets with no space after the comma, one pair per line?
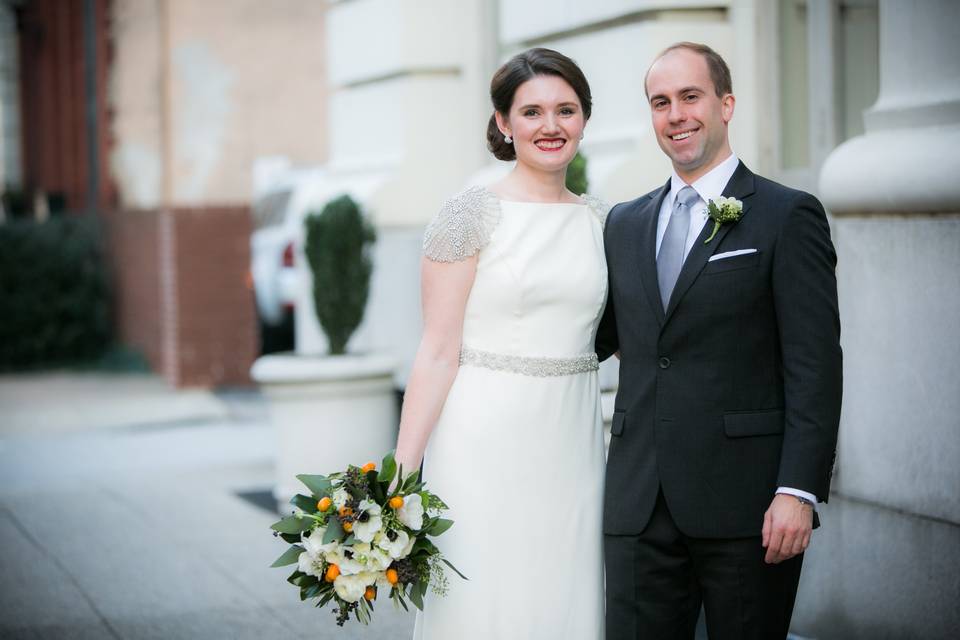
[722,210]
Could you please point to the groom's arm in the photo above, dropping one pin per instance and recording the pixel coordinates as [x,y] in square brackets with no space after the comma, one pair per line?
[607,342]
[808,319]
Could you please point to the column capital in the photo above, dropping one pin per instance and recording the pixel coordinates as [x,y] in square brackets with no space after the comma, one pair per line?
[906,161]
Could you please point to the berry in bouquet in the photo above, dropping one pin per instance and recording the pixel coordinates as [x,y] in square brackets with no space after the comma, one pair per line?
[362,534]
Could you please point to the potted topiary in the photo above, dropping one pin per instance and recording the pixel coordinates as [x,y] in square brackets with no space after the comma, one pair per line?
[340,408]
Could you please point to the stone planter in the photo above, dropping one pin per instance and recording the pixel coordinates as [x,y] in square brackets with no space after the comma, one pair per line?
[329,411]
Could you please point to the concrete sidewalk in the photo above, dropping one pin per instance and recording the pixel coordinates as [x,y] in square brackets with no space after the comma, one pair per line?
[61,402]
[130,510]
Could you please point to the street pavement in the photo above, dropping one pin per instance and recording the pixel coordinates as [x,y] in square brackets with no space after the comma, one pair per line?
[131,510]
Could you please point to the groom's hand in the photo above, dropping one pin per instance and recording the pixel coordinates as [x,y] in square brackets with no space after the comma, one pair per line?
[787,526]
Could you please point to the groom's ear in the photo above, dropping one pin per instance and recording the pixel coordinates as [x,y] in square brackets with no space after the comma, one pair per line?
[727,103]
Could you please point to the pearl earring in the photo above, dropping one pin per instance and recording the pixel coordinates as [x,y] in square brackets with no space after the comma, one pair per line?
[508,139]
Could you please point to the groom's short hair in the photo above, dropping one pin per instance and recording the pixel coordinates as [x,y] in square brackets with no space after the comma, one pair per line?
[716,65]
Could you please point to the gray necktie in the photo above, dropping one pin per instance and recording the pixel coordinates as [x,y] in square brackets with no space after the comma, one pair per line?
[670,257]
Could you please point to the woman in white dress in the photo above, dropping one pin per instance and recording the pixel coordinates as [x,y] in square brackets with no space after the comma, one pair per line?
[503,400]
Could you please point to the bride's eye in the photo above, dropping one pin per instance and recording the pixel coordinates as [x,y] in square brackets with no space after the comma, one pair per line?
[530,112]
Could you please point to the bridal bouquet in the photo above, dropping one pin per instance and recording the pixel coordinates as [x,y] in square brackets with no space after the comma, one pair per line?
[354,538]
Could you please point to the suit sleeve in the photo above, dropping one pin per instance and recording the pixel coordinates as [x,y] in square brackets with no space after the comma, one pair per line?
[808,319]
[607,342]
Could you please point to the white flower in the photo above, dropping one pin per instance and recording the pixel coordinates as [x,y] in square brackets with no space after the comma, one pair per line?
[411,513]
[346,560]
[407,549]
[366,530]
[310,564]
[396,546]
[314,542]
[382,582]
[351,588]
[372,558]
[340,498]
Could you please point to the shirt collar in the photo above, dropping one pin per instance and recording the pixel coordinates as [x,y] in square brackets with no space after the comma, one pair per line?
[710,185]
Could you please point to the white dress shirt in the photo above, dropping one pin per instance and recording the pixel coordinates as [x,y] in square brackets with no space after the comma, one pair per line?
[709,187]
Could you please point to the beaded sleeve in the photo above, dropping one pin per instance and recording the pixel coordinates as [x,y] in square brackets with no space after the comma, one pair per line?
[597,206]
[463,226]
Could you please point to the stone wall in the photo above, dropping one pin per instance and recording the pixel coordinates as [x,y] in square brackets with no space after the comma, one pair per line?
[885,563]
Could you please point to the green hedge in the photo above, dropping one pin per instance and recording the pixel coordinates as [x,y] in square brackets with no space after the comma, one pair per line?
[577,175]
[54,297]
[338,248]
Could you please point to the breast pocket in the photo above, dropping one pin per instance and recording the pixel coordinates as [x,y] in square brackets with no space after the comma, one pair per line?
[744,261]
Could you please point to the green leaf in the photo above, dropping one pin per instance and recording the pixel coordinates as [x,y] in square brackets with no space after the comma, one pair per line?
[292,538]
[294,576]
[447,562]
[293,524]
[326,598]
[303,580]
[290,556]
[388,468]
[318,485]
[439,526]
[410,481]
[415,596]
[334,531]
[306,503]
[422,544]
[310,592]
[376,491]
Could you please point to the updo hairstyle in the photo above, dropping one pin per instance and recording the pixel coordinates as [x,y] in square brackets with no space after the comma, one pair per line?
[516,71]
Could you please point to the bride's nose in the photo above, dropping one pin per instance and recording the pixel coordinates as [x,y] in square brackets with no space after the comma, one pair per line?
[550,123]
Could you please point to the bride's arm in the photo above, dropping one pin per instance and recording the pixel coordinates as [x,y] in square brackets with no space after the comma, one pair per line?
[445,287]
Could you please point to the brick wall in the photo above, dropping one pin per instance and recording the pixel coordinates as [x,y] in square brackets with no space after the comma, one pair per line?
[181,293]
[132,244]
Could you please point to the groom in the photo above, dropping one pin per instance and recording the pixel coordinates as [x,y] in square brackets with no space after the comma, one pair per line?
[725,422]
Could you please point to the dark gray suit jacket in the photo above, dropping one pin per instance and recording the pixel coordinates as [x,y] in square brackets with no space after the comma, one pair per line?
[735,388]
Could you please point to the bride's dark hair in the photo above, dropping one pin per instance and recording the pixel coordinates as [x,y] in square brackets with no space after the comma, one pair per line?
[516,71]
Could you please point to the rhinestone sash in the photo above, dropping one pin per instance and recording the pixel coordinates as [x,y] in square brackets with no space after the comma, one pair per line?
[530,366]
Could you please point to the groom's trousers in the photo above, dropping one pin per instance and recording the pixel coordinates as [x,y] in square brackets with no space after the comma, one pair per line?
[657,581]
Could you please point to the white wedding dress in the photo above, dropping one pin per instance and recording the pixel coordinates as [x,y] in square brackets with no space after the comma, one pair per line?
[517,453]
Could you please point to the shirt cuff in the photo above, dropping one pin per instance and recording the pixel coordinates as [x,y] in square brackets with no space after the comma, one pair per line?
[800,494]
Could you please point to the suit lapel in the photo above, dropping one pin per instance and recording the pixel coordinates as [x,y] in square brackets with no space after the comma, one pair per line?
[647,219]
[740,186]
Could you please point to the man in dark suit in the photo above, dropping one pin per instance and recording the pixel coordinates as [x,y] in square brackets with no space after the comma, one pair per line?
[725,422]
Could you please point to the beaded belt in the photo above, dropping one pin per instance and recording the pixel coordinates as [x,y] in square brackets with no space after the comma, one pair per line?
[530,366]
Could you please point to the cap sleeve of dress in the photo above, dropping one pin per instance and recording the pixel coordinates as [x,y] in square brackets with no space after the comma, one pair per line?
[463,226]
[597,206]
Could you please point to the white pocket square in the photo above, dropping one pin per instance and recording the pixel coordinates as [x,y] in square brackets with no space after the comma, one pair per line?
[730,254]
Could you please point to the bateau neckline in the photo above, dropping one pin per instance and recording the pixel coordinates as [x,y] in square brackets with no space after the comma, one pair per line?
[504,200]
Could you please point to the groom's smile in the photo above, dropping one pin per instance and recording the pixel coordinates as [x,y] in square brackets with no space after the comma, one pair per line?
[678,137]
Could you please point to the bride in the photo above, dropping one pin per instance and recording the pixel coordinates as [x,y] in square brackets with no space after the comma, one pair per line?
[502,404]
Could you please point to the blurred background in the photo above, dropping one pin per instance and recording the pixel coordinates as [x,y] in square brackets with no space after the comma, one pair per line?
[159,158]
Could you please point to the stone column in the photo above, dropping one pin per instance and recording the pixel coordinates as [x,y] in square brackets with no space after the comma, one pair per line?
[885,563]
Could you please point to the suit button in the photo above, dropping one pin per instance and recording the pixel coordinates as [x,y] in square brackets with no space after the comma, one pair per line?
[664,363]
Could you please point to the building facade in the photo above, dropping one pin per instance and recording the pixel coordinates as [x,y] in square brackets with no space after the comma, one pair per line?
[855,101]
